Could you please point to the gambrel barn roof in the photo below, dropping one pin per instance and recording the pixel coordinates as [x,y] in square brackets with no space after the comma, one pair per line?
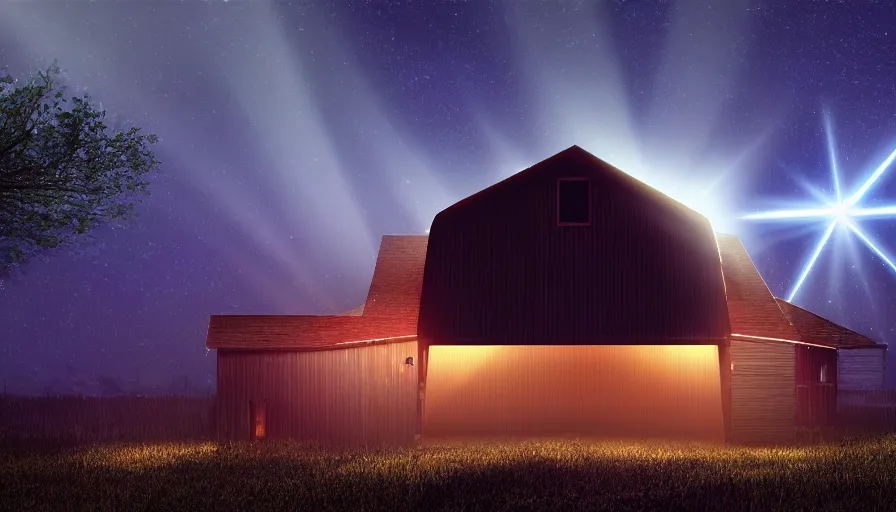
[390,312]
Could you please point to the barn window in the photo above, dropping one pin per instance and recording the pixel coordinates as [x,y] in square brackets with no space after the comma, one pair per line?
[573,202]
[823,375]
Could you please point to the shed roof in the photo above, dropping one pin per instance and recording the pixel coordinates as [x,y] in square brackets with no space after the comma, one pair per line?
[304,332]
[752,308]
[816,329]
[397,277]
[389,314]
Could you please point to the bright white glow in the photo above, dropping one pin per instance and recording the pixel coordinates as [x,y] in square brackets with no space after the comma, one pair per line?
[792,214]
[584,99]
[840,213]
[881,211]
[766,338]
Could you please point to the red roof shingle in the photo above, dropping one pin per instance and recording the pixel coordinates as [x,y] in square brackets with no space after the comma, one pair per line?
[393,302]
[752,308]
[398,277]
[819,330]
[301,332]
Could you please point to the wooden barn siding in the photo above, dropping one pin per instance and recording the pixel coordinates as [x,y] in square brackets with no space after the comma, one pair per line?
[353,397]
[499,271]
[816,400]
[589,391]
[861,368]
[763,391]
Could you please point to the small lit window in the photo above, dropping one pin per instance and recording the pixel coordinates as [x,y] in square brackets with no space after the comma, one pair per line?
[573,202]
[823,376]
[257,420]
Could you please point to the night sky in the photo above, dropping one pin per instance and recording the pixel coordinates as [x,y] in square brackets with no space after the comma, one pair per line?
[294,135]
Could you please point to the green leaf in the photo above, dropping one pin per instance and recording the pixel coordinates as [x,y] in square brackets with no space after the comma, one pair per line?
[62,170]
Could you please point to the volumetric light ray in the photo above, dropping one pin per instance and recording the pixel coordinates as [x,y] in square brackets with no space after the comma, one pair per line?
[832,155]
[812,260]
[871,245]
[792,214]
[879,211]
[855,198]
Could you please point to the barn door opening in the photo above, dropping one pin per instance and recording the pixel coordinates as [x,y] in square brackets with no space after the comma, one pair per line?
[257,421]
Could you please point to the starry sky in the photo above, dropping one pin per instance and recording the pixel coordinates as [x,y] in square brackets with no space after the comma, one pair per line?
[295,134]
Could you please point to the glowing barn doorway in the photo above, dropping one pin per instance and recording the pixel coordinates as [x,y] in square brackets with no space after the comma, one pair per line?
[602,391]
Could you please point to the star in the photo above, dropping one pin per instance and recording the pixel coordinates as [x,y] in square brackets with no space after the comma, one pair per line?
[839,212]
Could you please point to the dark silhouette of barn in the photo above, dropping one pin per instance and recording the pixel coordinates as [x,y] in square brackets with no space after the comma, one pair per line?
[567,300]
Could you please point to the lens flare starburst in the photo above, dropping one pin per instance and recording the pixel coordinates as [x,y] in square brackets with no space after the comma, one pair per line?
[839,212]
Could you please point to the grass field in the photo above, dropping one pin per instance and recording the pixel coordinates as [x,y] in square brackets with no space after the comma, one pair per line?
[567,475]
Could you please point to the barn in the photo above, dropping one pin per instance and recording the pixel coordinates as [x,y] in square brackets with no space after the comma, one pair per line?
[567,300]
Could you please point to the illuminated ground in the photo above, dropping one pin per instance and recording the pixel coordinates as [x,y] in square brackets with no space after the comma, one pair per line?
[533,476]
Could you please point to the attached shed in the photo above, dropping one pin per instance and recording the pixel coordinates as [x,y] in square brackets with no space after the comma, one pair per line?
[860,363]
[345,380]
[566,300]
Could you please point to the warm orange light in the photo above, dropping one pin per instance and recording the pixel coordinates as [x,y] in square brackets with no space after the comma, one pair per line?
[259,419]
[630,391]
[461,362]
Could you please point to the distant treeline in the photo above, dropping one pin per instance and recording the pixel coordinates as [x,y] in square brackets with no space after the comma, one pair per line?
[74,419]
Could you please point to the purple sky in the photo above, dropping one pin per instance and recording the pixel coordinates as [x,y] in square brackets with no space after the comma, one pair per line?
[293,136]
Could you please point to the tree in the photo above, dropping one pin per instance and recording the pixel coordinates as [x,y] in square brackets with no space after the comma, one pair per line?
[63,171]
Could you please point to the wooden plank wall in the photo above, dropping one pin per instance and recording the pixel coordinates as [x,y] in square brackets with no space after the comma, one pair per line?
[763,391]
[500,271]
[638,391]
[816,400]
[861,368]
[362,396]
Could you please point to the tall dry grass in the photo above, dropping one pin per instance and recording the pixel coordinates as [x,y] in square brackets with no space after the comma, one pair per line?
[568,475]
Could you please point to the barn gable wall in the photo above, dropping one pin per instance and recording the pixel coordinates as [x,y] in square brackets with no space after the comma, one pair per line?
[500,270]
[816,385]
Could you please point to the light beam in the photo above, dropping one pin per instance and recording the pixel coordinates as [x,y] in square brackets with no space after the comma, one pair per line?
[792,214]
[855,198]
[812,260]
[880,211]
[832,156]
[838,212]
[871,245]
